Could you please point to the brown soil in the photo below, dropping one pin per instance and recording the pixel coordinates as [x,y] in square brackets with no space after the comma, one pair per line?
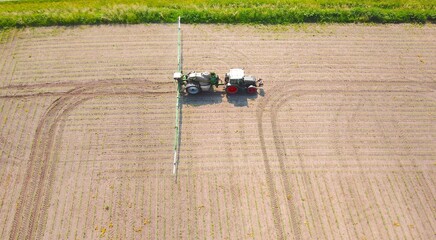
[338,145]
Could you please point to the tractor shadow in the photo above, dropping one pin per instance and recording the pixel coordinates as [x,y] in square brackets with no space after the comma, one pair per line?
[211,98]
[243,99]
[204,98]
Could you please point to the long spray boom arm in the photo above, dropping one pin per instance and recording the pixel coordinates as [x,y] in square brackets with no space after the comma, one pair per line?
[178,76]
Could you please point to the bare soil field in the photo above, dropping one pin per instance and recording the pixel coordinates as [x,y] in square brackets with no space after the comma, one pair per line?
[340,144]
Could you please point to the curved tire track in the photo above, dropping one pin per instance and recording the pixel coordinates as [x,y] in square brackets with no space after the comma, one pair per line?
[269,175]
[281,153]
[275,104]
[30,216]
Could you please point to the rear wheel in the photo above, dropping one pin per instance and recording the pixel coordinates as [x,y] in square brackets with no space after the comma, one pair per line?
[192,89]
[231,89]
[251,89]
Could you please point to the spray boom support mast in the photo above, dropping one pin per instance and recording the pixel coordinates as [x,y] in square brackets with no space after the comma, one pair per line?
[178,106]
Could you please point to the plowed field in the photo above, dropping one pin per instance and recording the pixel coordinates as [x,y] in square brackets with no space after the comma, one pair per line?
[340,144]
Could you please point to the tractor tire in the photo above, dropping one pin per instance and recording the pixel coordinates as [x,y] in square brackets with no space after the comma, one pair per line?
[192,89]
[252,89]
[231,89]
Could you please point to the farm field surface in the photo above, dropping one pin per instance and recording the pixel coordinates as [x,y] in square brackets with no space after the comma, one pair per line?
[340,143]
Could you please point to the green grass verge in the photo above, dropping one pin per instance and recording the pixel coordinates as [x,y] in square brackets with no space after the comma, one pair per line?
[67,12]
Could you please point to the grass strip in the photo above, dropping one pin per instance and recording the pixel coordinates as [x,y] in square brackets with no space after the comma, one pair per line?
[40,13]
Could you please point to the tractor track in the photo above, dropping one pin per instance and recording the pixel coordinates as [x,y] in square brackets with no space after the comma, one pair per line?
[278,223]
[73,87]
[75,84]
[48,94]
[275,104]
[30,216]
[402,168]
[281,155]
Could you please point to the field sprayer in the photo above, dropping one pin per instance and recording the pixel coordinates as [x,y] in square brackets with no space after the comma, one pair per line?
[195,82]
[235,81]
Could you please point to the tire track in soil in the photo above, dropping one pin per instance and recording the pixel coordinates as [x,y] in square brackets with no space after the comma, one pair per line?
[419,205]
[31,87]
[353,119]
[281,153]
[74,84]
[280,149]
[38,168]
[270,182]
[279,101]
[339,154]
[29,219]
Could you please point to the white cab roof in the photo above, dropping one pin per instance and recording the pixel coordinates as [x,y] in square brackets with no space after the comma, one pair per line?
[236,73]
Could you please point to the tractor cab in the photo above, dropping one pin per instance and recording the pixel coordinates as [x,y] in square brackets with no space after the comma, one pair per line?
[237,80]
[235,74]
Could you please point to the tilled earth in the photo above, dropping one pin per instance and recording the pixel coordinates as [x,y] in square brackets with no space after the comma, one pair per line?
[340,143]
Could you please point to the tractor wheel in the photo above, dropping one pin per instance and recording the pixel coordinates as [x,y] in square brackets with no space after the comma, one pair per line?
[231,89]
[251,89]
[192,89]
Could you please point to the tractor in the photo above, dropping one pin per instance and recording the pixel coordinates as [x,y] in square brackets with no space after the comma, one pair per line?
[235,81]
